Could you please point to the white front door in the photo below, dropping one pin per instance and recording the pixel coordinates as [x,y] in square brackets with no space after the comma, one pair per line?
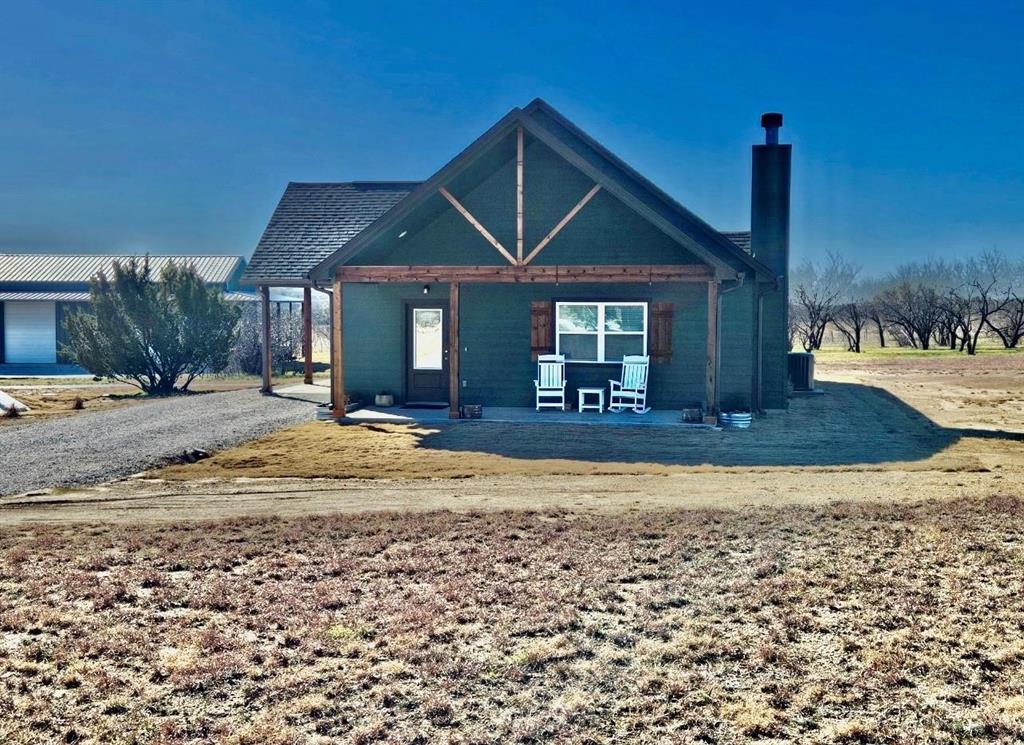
[30,332]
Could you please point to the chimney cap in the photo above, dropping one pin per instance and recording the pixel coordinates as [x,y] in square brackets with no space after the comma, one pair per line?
[771,120]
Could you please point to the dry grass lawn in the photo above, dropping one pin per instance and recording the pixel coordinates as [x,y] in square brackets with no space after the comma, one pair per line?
[889,412]
[852,572]
[866,623]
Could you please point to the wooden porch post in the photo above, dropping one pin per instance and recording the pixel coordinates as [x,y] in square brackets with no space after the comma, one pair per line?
[307,334]
[267,386]
[337,351]
[453,350]
[711,394]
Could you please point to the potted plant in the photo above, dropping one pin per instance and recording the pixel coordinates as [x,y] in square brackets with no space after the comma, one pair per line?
[384,399]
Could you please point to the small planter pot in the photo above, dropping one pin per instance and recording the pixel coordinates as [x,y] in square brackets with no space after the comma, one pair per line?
[736,419]
[384,400]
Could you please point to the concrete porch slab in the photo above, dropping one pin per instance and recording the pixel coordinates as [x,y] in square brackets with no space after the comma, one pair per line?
[524,415]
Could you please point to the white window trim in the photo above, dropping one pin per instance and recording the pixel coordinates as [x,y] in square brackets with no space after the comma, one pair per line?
[600,333]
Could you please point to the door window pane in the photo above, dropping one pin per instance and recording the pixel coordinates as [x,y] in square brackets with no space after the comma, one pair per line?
[428,339]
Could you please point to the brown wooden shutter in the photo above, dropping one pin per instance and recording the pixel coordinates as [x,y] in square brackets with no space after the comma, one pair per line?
[541,327]
[661,332]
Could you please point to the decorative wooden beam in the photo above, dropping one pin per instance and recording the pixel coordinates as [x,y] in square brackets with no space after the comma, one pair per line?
[562,223]
[711,392]
[476,224]
[266,360]
[307,335]
[453,350]
[519,194]
[639,273]
[337,351]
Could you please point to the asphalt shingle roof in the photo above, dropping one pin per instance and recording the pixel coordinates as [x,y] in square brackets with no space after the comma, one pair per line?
[80,268]
[740,237]
[314,220]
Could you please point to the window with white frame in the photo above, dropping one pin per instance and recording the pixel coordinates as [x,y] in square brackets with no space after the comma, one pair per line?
[600,332]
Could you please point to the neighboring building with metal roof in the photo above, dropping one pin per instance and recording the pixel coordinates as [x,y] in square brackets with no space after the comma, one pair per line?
[38,290]
[80,268]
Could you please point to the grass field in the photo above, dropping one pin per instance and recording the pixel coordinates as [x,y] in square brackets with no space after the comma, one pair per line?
[866,623]
[851,572]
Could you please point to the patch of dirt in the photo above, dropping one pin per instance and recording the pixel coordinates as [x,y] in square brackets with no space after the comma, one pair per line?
[47,401]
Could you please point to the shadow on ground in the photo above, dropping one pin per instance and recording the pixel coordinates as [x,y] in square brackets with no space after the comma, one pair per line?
[850,425]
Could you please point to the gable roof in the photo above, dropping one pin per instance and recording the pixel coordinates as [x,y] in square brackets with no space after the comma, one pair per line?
[312,221]
[80,268]
[586,154]
[740,237]
[631,187]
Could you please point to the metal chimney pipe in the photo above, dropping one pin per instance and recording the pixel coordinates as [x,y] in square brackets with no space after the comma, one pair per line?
[771,122]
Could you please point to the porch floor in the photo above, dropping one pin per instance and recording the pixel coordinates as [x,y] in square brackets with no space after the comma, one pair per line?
[507,414]
[526,415]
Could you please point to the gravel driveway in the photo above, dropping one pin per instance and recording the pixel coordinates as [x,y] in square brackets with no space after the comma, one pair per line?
[92,447]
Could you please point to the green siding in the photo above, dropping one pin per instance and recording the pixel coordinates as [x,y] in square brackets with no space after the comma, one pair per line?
[495,335]
[375,336]
[496,368]
[605,231]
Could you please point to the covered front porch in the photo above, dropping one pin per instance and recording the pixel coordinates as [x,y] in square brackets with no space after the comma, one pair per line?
[495,322]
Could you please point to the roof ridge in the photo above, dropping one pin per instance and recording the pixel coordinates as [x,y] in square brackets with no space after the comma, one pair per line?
[539,104]
[402,182]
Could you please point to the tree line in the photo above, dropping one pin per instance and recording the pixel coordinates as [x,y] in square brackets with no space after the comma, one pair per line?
[922,304]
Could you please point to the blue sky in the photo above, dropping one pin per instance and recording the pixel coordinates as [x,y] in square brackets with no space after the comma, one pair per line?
[173,127]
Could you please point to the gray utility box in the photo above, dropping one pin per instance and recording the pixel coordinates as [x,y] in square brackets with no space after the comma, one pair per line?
[801,371]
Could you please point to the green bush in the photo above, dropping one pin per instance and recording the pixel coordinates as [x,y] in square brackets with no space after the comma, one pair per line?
[156,334]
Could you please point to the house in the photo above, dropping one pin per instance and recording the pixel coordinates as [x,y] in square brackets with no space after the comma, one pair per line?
[537,239]
[38,290]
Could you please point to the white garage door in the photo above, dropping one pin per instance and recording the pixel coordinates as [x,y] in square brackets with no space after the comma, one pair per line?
[30,332]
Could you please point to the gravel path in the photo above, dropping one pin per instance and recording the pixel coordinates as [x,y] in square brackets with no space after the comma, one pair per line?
[92,447]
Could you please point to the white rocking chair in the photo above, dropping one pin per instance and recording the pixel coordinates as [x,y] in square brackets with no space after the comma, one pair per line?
[631,391]
[550,382]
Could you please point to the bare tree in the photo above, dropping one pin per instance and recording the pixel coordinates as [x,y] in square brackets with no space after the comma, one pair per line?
[914,309]
[874,313]
[912,305]
[819,292]
[1008,322]
[851,318]
[973,299]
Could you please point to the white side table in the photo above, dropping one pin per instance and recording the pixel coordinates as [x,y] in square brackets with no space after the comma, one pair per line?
[584,392]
